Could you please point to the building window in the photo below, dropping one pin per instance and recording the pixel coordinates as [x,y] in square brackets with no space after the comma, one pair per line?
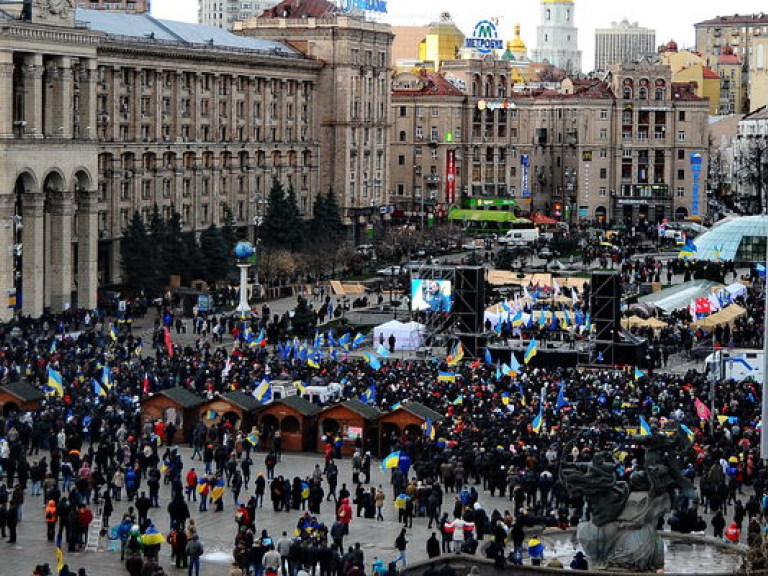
[681,136]
[603,153]
[603,114]
[603,173]
[681,174]
[419,132]
[401,189]
[681,154]
[403,111]
[603,133]
[401,160]
[681,116]
[680,192]
[402,136]
[602,192]
[417,151]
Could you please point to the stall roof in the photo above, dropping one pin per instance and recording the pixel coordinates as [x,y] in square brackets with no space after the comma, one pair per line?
[418,409]
[23,391]
[301,405]
[181,396]
[241,400]
[366,411]
[678,297]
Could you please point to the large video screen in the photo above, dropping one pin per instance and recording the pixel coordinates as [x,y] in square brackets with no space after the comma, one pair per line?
[431,295]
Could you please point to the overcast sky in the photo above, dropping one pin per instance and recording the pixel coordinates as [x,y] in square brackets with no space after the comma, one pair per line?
[672,19]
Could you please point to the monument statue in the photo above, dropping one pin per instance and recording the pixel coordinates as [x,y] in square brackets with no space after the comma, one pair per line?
[621,533]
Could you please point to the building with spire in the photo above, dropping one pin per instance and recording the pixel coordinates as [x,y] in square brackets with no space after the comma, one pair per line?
[557,38]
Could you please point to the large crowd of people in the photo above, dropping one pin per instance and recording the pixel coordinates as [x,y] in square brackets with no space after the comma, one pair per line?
[74,460]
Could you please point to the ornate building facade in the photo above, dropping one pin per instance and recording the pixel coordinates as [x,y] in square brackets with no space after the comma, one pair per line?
[122,114]
[353,97]
[628,149]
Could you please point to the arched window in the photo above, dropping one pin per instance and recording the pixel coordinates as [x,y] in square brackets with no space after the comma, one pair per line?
[627,92]
[642,93]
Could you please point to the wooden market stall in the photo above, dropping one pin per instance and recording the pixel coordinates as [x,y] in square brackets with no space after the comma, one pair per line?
[354,421]
[408,419]
[19,397]
[235,408]
[177,405]
[295,417]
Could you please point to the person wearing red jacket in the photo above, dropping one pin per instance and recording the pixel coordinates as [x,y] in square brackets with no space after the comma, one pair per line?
[344,514]
[733,533]
[191,485]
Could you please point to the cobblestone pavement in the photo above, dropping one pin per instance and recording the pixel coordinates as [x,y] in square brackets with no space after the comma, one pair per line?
[217,529]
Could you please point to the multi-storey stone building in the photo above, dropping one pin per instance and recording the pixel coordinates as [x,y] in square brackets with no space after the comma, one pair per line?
[224,13]
[739,35]
[118,113]
[622,42]
[630,149]
[353,97]
[128,6]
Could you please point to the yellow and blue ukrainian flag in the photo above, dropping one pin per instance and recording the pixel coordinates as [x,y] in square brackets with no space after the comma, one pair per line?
[645,428]
[55,382]
[538,421]
[531,351]
[391,461]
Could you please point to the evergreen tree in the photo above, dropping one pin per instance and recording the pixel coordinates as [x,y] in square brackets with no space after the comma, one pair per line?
[138,258]
[294,223]
[229,232]
[333,214]
[320,219]
[303,320]
[283,227]
[173,247]
[273,229]
[191,258]
[214,254]
[158,232]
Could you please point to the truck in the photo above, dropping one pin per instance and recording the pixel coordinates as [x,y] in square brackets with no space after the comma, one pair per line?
[519,236]
[738,364]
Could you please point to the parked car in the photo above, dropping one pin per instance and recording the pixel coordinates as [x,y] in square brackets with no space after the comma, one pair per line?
[390,271]
[546,253]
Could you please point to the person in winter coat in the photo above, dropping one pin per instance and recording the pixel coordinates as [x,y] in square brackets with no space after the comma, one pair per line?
[51,517]
[194,551]
[579,562]
[718,524]
[433,546]
[344,514]
[733,533]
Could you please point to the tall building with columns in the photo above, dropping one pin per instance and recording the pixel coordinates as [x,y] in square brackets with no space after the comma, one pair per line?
[557,37]
[105,114]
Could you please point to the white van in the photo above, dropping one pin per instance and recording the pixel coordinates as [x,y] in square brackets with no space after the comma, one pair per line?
[737,364]
[519,236]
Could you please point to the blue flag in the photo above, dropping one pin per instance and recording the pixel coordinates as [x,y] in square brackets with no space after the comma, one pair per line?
[488,357]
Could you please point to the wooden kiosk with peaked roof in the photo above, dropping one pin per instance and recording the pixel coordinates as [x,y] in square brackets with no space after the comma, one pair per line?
[234,407]
[354,421]
[175,405]
[19,397]
[295,417]
[409,418]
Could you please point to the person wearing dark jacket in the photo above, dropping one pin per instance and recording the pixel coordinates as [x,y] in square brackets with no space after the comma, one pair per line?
[433,546]
[718,524]
[579,562]
[178,512]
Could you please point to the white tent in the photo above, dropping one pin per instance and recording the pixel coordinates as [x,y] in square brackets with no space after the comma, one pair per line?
[408,336]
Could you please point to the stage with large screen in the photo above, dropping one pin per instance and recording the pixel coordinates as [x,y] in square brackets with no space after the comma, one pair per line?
[431,295]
